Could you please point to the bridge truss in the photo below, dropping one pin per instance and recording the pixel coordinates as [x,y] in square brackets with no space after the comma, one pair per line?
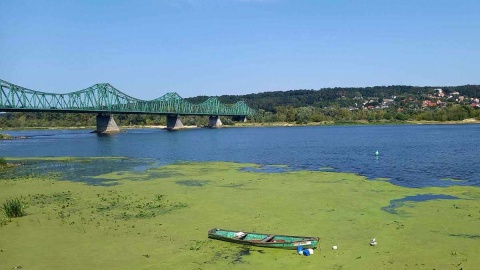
[104,98]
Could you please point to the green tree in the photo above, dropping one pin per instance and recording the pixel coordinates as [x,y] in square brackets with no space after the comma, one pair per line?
[303,115]
[457,113]
[401,116]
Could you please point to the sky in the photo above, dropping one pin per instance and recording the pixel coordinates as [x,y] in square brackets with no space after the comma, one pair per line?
[147,48]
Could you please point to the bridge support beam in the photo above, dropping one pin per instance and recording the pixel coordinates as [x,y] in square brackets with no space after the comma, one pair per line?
[241,119]
[173,122]
[106,124]
[214,122]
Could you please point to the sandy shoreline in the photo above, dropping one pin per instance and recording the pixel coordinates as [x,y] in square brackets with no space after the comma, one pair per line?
[274,124]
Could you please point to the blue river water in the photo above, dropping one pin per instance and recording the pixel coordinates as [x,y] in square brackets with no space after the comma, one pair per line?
[409,155]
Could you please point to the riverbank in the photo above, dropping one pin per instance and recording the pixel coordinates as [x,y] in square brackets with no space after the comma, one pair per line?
[359,122]
[159,218]
[272,124]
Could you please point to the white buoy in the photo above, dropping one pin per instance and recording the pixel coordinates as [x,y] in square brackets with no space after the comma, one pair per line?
[377,153]
[373,242]
[334,247]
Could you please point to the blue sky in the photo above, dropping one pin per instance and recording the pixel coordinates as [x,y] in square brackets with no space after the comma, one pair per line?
[216,47]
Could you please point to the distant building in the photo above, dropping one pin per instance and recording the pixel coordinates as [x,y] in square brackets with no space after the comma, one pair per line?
[429,103]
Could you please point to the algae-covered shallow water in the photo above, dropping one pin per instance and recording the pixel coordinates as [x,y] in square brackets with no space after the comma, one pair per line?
[87,170]
[162,223]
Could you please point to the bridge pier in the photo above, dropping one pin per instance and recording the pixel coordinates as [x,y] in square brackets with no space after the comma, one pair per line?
[173,122]
[242,118]
[214,121]
[106,124]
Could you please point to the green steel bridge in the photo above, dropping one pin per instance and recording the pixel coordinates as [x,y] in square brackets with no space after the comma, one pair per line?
[104,98]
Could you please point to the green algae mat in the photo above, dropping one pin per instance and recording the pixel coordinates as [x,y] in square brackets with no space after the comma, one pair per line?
[158,218]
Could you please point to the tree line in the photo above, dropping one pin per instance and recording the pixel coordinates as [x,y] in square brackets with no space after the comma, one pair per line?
[77,120]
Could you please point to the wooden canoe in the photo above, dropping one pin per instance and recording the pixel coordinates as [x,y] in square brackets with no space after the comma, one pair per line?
[263,239]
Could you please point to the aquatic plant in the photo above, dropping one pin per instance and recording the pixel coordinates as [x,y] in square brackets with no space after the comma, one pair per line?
[13,208]
[3,162]
[3,222]
[5,137]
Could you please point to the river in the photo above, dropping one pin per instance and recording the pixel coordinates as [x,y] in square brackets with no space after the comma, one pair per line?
[409,155]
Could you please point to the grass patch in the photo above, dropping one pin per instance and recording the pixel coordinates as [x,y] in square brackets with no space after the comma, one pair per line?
[13,208]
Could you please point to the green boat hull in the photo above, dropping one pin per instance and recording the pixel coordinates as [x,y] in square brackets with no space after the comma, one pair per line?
[263,239]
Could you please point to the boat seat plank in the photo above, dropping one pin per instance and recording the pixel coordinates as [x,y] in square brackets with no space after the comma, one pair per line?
[268,238]
[240,237]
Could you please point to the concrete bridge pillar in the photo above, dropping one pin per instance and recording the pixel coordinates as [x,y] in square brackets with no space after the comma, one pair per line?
[214,122]
[106,124]
[173,122]
[241,119]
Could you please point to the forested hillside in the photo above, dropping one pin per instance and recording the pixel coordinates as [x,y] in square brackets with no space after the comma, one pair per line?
[342,97]
[372,104]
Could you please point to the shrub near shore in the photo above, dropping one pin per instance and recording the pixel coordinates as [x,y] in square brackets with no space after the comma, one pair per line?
[159,219]
[13,208]
[5,137]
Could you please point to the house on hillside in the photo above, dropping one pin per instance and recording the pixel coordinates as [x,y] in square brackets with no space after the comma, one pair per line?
[440,92]
[429,103]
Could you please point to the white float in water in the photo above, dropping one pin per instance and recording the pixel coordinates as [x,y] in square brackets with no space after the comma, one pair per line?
[334,247]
